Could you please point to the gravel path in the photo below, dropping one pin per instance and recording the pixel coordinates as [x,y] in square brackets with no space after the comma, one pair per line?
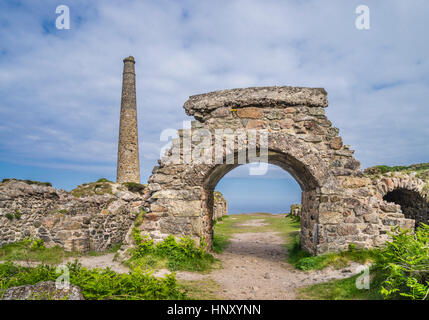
[255,267]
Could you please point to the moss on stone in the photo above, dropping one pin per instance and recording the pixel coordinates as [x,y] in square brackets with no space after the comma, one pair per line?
[92,189]
[420,169]
[46,184]
[134,187]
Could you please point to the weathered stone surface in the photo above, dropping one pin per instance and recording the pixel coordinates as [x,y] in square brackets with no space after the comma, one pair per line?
[286,123]
[264,96]
[220,205]
[336,143]
[128,167]
[256,124]
[90,222]
[42,291]
[250,112]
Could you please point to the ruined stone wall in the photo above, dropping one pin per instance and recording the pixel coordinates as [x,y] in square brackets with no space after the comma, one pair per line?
[220,206]
[405,190]
[94,222]
[339,204]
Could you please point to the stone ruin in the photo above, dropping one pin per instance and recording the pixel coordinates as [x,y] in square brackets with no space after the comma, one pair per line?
[92,217]
[220,206]
[295,210]
[340,204]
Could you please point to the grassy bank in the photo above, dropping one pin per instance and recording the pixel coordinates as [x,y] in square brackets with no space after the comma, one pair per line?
[35,251]
[344,289]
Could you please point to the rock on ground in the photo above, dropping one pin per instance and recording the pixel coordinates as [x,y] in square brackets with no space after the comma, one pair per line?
[42,291]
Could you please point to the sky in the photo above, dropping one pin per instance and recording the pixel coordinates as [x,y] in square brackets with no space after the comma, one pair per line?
[60,89]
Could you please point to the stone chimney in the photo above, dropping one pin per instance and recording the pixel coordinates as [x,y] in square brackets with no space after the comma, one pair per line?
[128,147]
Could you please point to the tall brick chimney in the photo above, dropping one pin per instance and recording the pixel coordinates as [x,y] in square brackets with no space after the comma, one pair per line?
[128,147]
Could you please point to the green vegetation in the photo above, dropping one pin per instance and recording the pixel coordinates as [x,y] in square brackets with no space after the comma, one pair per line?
[46,184]
[182,255]
[140,218]
[97,284]
[17,214]
[91,189]
[134,187]
[344,289]
[103,180]
[302,260]
[220,242]
[400,271]
[10,216]
[226,226]
[33,250]
[421,169]
[404,263]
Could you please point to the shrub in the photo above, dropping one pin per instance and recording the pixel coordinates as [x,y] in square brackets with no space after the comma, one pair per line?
[97,284]
[179,255]
[18,214]
[405,263]
[103,180]
[37,244]
[10,216]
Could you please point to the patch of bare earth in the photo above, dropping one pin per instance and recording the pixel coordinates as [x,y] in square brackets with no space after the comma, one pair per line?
[101,262]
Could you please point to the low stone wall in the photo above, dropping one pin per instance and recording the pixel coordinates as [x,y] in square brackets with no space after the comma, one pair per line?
[220,206]
[295,210]
[90,222]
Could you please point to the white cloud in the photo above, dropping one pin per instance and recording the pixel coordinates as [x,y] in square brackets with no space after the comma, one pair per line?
[61,89]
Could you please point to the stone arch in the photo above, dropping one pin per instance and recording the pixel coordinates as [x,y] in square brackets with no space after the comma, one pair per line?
[309,171]
[409,193]
[413,205]
[339,206]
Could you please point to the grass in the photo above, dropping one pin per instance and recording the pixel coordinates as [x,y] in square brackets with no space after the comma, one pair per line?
[344,289]
[220,242]
[302,260]
[22,251]
[91,189]
[26,251]
[205,289]
[287,227]
[46,184]
[422,170]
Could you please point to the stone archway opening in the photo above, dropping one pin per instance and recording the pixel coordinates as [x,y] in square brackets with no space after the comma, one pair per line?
[413,205]
[310,195]
[273,192]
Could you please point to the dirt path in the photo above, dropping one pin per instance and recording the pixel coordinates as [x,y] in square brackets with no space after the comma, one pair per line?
[255,267]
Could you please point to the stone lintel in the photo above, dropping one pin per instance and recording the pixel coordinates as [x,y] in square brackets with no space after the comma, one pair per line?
[258,97]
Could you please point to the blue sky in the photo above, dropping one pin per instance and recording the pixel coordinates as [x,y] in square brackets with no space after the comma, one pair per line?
[60,89]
